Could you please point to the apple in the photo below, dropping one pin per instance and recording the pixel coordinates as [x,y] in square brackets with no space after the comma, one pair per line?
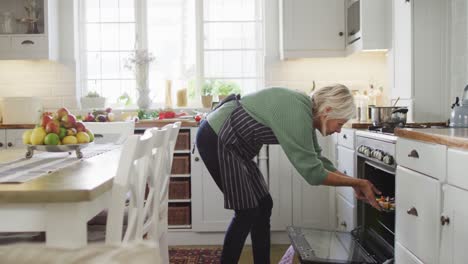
[68,121]
[71,132]
[90,134]
[108,110]
[101,118]
[89,118]
[45,120]
[80,127]
[62,112]
[53,127]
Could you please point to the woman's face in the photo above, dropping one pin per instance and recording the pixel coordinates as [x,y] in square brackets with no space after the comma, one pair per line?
[334,126]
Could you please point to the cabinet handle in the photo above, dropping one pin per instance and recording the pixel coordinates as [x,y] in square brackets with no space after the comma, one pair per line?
[10,144]
[343,224]
[27,42]
[340,34]
[444,220]
[1,145]
[413,154]
[197,158]
[407,1]
[345,172]
[344,136]
[412,211]
[98,135]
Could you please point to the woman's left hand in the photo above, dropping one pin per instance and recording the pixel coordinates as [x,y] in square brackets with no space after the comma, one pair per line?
[366,191]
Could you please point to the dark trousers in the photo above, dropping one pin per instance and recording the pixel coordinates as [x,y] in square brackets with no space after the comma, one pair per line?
[253,220]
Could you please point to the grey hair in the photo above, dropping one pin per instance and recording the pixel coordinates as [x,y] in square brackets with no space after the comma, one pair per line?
[338,97]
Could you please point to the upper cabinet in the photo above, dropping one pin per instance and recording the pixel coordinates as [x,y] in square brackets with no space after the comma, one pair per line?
[420,58]
[368,25]
[312,28]
[28,29]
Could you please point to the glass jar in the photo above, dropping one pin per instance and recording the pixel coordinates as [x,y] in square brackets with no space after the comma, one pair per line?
[6,23]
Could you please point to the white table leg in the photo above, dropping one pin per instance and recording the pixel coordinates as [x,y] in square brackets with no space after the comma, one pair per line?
[66,226]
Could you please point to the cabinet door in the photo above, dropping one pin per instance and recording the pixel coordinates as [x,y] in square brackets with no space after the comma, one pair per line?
[280,174]
[2,139]
[402,46]
[208,213]
[417,214]
[402,255]
[312,28]
[14,138]
[345,214]
[311,204]
[346,163]
[454,228]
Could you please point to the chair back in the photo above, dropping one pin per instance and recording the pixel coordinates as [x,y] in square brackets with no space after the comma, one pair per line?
[111,132]
[128,190]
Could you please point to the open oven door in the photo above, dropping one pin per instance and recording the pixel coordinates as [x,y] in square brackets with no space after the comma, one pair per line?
[321,246]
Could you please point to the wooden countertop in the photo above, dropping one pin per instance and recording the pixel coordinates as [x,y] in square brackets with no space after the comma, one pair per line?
[25,126]
[163,122]
[451,137]
[79,182]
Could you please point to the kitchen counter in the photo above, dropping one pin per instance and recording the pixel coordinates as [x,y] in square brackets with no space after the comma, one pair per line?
[25,126]
[163,122]
[451,137]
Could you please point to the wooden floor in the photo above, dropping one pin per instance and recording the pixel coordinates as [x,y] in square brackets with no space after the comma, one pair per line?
[277,252]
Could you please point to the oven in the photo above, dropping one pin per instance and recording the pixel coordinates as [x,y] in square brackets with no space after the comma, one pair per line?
[373,239]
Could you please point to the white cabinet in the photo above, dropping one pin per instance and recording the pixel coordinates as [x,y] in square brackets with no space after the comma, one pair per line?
[208,213]
[402,255]
[11,138]
[454,228]
[40,45]
[346,163]
[374,17]
[312,28]
[419,51]
[417,214]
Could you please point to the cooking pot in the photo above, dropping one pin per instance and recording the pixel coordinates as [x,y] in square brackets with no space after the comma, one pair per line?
[389,116]
[459,115]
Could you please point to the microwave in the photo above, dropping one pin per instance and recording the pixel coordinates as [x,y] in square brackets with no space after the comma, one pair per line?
[353,17]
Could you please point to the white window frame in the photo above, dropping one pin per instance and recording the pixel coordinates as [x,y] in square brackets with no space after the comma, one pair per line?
[141,36]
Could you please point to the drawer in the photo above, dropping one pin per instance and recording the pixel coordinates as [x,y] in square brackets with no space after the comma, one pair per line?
[345,214]
[29,43]
[5,43]
[402,255]
[346,166]
[346,138]
[418,214]
[426,158]
[183,141]
[457,168]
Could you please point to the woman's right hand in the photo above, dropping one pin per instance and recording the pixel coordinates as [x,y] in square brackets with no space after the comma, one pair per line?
[366,191]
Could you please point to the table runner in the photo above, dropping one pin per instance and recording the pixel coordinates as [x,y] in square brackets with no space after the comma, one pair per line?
[43,163]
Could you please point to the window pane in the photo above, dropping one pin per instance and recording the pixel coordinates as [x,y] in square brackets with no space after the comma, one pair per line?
[129,87]
[110,37]
[93,37]
[92,12]
[234,64]
[232,36]
[94,85]
[109,10]
[111,90]
[231,10]
[125,73]
[127,36]
[94,65]
[127,10]
[110,65]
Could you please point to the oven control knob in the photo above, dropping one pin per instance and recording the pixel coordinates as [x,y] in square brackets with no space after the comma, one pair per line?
[388,159]
[367,151]
[378,155]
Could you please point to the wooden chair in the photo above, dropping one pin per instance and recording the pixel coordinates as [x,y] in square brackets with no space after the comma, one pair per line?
[128,190]
[158,196]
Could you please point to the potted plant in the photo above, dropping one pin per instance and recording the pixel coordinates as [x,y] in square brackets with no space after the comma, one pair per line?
[93,101]
[207,93]
[223,89]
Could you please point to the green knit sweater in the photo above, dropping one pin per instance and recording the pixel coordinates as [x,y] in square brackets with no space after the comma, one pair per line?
[289,115]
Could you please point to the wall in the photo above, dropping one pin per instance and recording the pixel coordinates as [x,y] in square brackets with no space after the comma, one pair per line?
[458,48]
[52,81]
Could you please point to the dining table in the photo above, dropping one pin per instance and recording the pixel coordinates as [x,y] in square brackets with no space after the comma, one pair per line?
[56,193]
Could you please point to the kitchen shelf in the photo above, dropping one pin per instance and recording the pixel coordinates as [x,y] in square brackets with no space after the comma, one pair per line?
[179,226]
[187,151]
[180,200]
[180,176]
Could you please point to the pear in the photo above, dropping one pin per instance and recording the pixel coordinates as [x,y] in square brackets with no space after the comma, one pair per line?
[37,136]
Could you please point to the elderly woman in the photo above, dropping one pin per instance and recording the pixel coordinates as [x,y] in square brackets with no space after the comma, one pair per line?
[233,135]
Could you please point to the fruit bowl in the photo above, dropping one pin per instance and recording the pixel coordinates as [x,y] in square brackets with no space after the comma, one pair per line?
[57,148]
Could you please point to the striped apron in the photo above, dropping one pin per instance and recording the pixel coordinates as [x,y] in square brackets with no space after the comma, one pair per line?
[239,140]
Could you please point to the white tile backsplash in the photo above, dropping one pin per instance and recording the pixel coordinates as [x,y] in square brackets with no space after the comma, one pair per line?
[356,71]
[53,82]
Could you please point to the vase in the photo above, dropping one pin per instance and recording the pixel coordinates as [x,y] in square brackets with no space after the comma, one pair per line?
[207,100]
[144,100]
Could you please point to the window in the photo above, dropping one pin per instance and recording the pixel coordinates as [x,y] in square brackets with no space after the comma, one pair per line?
[194,41]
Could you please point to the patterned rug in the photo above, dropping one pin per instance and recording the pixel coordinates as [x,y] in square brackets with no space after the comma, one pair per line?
[194,255]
